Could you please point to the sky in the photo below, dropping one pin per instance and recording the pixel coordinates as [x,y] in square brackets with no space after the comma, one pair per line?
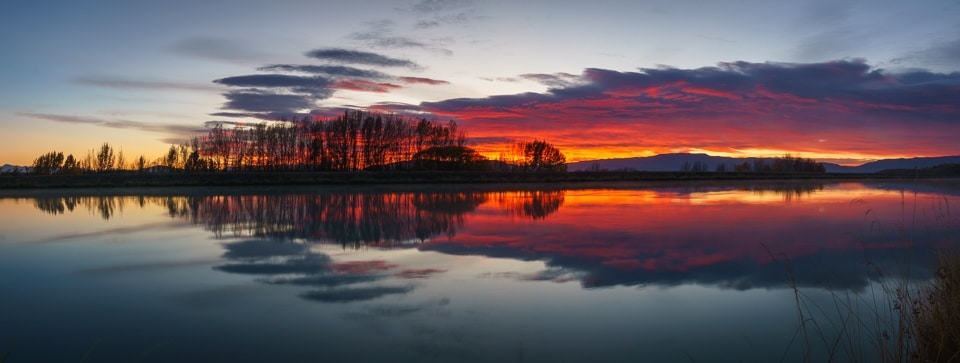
[839,81]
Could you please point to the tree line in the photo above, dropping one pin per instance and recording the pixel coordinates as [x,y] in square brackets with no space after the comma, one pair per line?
[353,141]
[102,159]
[784,164]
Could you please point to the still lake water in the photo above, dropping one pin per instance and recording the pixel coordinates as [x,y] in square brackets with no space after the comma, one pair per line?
[563,273]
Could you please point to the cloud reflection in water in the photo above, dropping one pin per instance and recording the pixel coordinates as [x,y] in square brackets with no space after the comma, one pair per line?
[737,235]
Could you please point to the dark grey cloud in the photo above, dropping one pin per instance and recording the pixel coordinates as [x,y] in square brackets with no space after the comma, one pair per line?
[280,262]
[854,81]
[308,264]
[503,102]
[268,102]
[263,249]
[274,94]
[123,83]
[344,295]
[324,280]
[340,55]
[270,96]
[733,87]
[554,80]
[219,49]
[315,85]
[283,94]
[334,71]
[843,270]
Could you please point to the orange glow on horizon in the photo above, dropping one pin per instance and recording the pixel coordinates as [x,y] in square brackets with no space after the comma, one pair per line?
[579,154]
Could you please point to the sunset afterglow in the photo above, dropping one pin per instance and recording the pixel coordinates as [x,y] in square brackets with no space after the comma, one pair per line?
[846,83]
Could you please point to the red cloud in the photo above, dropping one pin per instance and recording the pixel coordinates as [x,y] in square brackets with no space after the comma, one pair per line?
[364,86]
[736,106]
[734,229]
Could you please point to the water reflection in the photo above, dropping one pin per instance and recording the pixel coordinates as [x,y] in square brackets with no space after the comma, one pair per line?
[294,264]
[104,206]
[736,236]
[537,204]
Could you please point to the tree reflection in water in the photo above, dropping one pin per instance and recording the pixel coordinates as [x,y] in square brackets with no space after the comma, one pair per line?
[351,220]
[105,206]
[665,236]
[536,204]
[382,219]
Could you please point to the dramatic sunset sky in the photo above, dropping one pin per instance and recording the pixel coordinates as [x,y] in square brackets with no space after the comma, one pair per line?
[843,81]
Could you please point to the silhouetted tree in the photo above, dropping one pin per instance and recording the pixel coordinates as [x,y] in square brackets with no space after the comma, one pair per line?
[539,155]
[171,158]
[70,166]
[105,158]
[121,161]
[141,163]
[355,140]
[449,158]
[49,163]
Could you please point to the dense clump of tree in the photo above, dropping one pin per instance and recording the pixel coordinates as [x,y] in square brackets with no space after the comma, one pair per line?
[535,156]
[353,141]
[695,167]
[784,164]
[49,163]
[356,140]
[456,158]
[100,160]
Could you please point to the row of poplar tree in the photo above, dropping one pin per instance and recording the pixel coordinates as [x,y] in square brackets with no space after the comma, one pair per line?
[353,141]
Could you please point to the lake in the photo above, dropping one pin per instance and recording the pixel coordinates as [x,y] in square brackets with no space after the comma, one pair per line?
[703,272]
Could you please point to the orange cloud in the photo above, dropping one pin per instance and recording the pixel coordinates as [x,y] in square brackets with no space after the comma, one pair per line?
[739,109]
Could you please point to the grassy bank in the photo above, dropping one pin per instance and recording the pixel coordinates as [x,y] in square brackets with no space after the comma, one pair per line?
[909,310]
[932,316]
[894,322]
[386,177]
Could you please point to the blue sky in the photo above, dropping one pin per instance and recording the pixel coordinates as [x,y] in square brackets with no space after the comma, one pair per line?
[141,75]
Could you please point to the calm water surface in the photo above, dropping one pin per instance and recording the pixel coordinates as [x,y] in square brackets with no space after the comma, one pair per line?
[606,273]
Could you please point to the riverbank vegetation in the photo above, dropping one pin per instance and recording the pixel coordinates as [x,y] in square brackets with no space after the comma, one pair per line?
[895,321]
[355,141]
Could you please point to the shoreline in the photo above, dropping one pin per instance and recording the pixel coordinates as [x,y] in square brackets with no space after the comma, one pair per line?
[123,180]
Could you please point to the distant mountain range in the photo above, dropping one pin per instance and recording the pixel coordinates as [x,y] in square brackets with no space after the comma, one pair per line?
[675,162]
[7,168]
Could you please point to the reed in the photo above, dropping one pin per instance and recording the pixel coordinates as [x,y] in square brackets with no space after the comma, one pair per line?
[892,321]
[933,316]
